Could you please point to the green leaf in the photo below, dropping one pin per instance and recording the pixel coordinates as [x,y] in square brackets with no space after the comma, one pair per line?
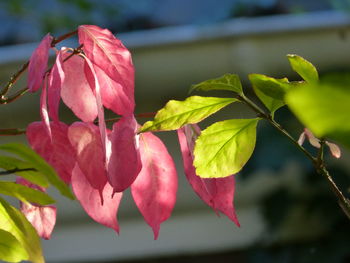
[39,164]
[324,109]
[223,148]
[10,249]
[304,68]
[271,103]
[13,221]
[274,88]
[176,114]
[25,194]
[229,82]
[10,163]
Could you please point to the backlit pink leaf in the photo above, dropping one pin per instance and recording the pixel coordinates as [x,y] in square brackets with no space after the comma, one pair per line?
[76,92]
[56,79]
[43,109]
[312,139]
[114,59]
[38,63]
[154,190]
[43,218]
[335,150]
[86,141]
[125,163]
[89,198]
[218,193]
[115,96]
[58,152]
[301,139]
[94,85]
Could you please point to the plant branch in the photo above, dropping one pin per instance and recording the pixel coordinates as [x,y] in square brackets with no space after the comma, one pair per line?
[262,114]
[16,170]
[13,80]
[15,77]
[15,131]
[318,162]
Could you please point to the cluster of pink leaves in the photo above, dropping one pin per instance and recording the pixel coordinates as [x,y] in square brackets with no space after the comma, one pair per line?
[100,163]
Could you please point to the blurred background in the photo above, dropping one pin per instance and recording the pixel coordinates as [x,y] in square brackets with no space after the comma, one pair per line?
[287,212]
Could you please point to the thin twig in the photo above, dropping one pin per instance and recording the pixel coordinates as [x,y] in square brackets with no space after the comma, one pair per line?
[16,170]
[318,162]
[24,67]
[15,131]
[262,114]
[13,80]
[10,132]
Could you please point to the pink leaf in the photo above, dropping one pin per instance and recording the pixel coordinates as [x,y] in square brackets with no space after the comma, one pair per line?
[218,193]
[335,150]
[76,92]
[114,95]
[89,198]
[312,139]
[91,74]
[43,218]
[124,163]
[43,109]
[58,152]
[38,63]
[110,57]
[56,79]
[301,139]
[86,141]
[154,190]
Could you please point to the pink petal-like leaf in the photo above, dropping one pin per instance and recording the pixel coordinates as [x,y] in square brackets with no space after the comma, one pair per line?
[56,79]
[76,92]
[43,218]
[86,141]
[58,152]
[38,63]
[43,109]
[104,213]
[114,96]
[111,57]
[335,150]
[301,139]
[91,74]
[218,193]
[312,139]
[154,190]
[124,163]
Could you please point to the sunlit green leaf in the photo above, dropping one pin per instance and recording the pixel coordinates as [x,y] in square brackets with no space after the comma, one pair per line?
[176,113]
[10,163]
[304,68]
[39,164]
[271,103]
[25,194]
[324,109]
[274,88]
[229,82]
[10,249]
[223,148]
[13,221]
